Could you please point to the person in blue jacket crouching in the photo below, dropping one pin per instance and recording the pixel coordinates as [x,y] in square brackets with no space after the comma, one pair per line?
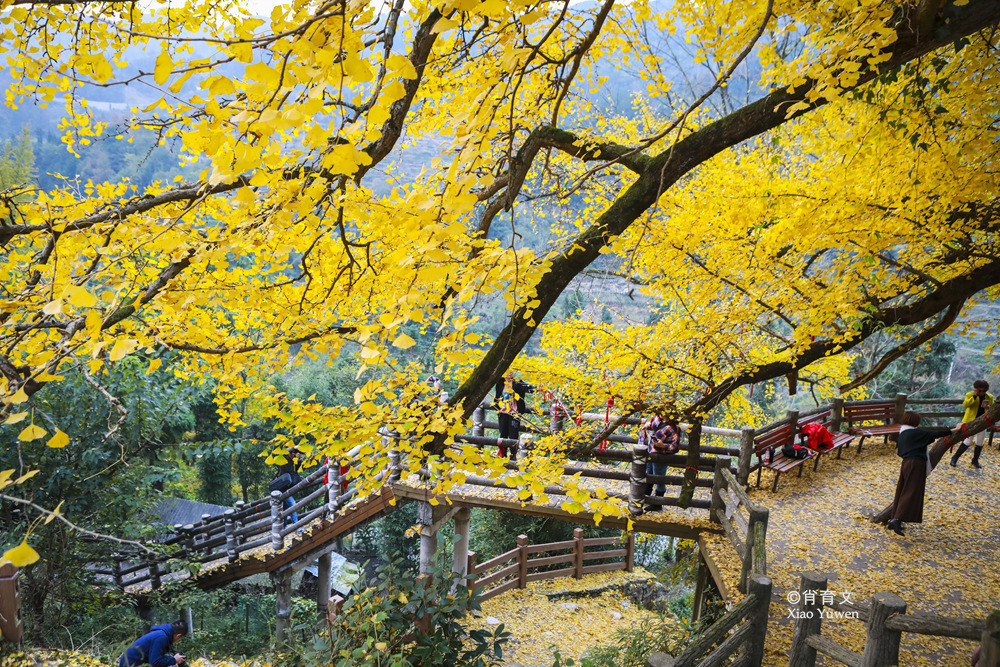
[153,648]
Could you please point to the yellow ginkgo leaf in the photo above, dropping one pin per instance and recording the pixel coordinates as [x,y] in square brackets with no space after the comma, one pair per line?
[19,397]
[79,297]
[153,365]
[404,342]
[55,512]
[20,555]
[31,432]
[16,417]
[60,439]
[122,348]
[53,307]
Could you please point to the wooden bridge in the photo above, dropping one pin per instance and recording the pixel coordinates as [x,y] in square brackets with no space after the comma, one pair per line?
[259,537]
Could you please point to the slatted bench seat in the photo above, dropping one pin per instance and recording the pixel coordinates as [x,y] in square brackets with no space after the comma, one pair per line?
[885,412]
[825,418]
[768,446]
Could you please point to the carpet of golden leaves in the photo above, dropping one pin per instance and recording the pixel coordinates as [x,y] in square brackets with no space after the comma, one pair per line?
[537,623]
[947,565]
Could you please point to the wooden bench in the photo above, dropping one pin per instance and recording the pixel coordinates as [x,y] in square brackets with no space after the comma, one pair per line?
[825,418]
[884,412]
[767,446]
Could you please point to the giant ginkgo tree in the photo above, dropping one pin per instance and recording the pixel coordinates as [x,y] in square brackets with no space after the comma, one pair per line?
[856,191]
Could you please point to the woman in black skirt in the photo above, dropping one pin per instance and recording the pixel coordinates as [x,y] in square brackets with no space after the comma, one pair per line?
[912,448]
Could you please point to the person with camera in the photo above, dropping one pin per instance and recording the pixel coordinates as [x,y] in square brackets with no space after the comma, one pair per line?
[665,439]
[976,403]
[154,647]
[509,401]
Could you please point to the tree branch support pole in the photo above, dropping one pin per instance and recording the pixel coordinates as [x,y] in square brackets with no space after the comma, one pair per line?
[324,570]
[882,644]
[282,582]
[427,517]
[809,621]
[460,550]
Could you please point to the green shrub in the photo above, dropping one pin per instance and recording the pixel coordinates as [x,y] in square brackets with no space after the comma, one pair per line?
[379,627]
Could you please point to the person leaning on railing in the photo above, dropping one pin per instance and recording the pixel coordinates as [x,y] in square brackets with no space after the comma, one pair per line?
[911,445]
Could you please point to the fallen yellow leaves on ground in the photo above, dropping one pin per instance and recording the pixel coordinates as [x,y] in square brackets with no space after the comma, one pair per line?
[574,624]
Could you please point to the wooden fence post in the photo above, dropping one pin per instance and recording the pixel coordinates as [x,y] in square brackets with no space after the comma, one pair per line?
[900,407]
[524,446]
[808,622]
[746,454]
[700,588]
[556,417]
[240,506]
[395,466]
[203,526]
[637,480]
[882,644]
[760,589]
[189,538]
[116,569]
[230,523]
[522,561]
[154,573]
[332,490]
[577,553]
[478,417]
[755,548]
[837,414]
[717,481]
[11,625]
[989,655]
[277,541]
[630,552]
[470,570]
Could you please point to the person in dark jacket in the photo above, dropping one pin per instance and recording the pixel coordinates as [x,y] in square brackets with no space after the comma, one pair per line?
[291,466]
[911,446]
[509,401]
[153,648]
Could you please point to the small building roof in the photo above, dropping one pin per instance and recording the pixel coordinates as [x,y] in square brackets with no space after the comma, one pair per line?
[172,511]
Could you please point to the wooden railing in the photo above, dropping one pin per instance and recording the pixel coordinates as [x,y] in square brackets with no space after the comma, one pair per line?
[240,529]
[886,620]
[536,562]
[741,631]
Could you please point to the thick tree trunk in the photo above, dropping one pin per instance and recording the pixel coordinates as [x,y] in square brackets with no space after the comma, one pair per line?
[939,448]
